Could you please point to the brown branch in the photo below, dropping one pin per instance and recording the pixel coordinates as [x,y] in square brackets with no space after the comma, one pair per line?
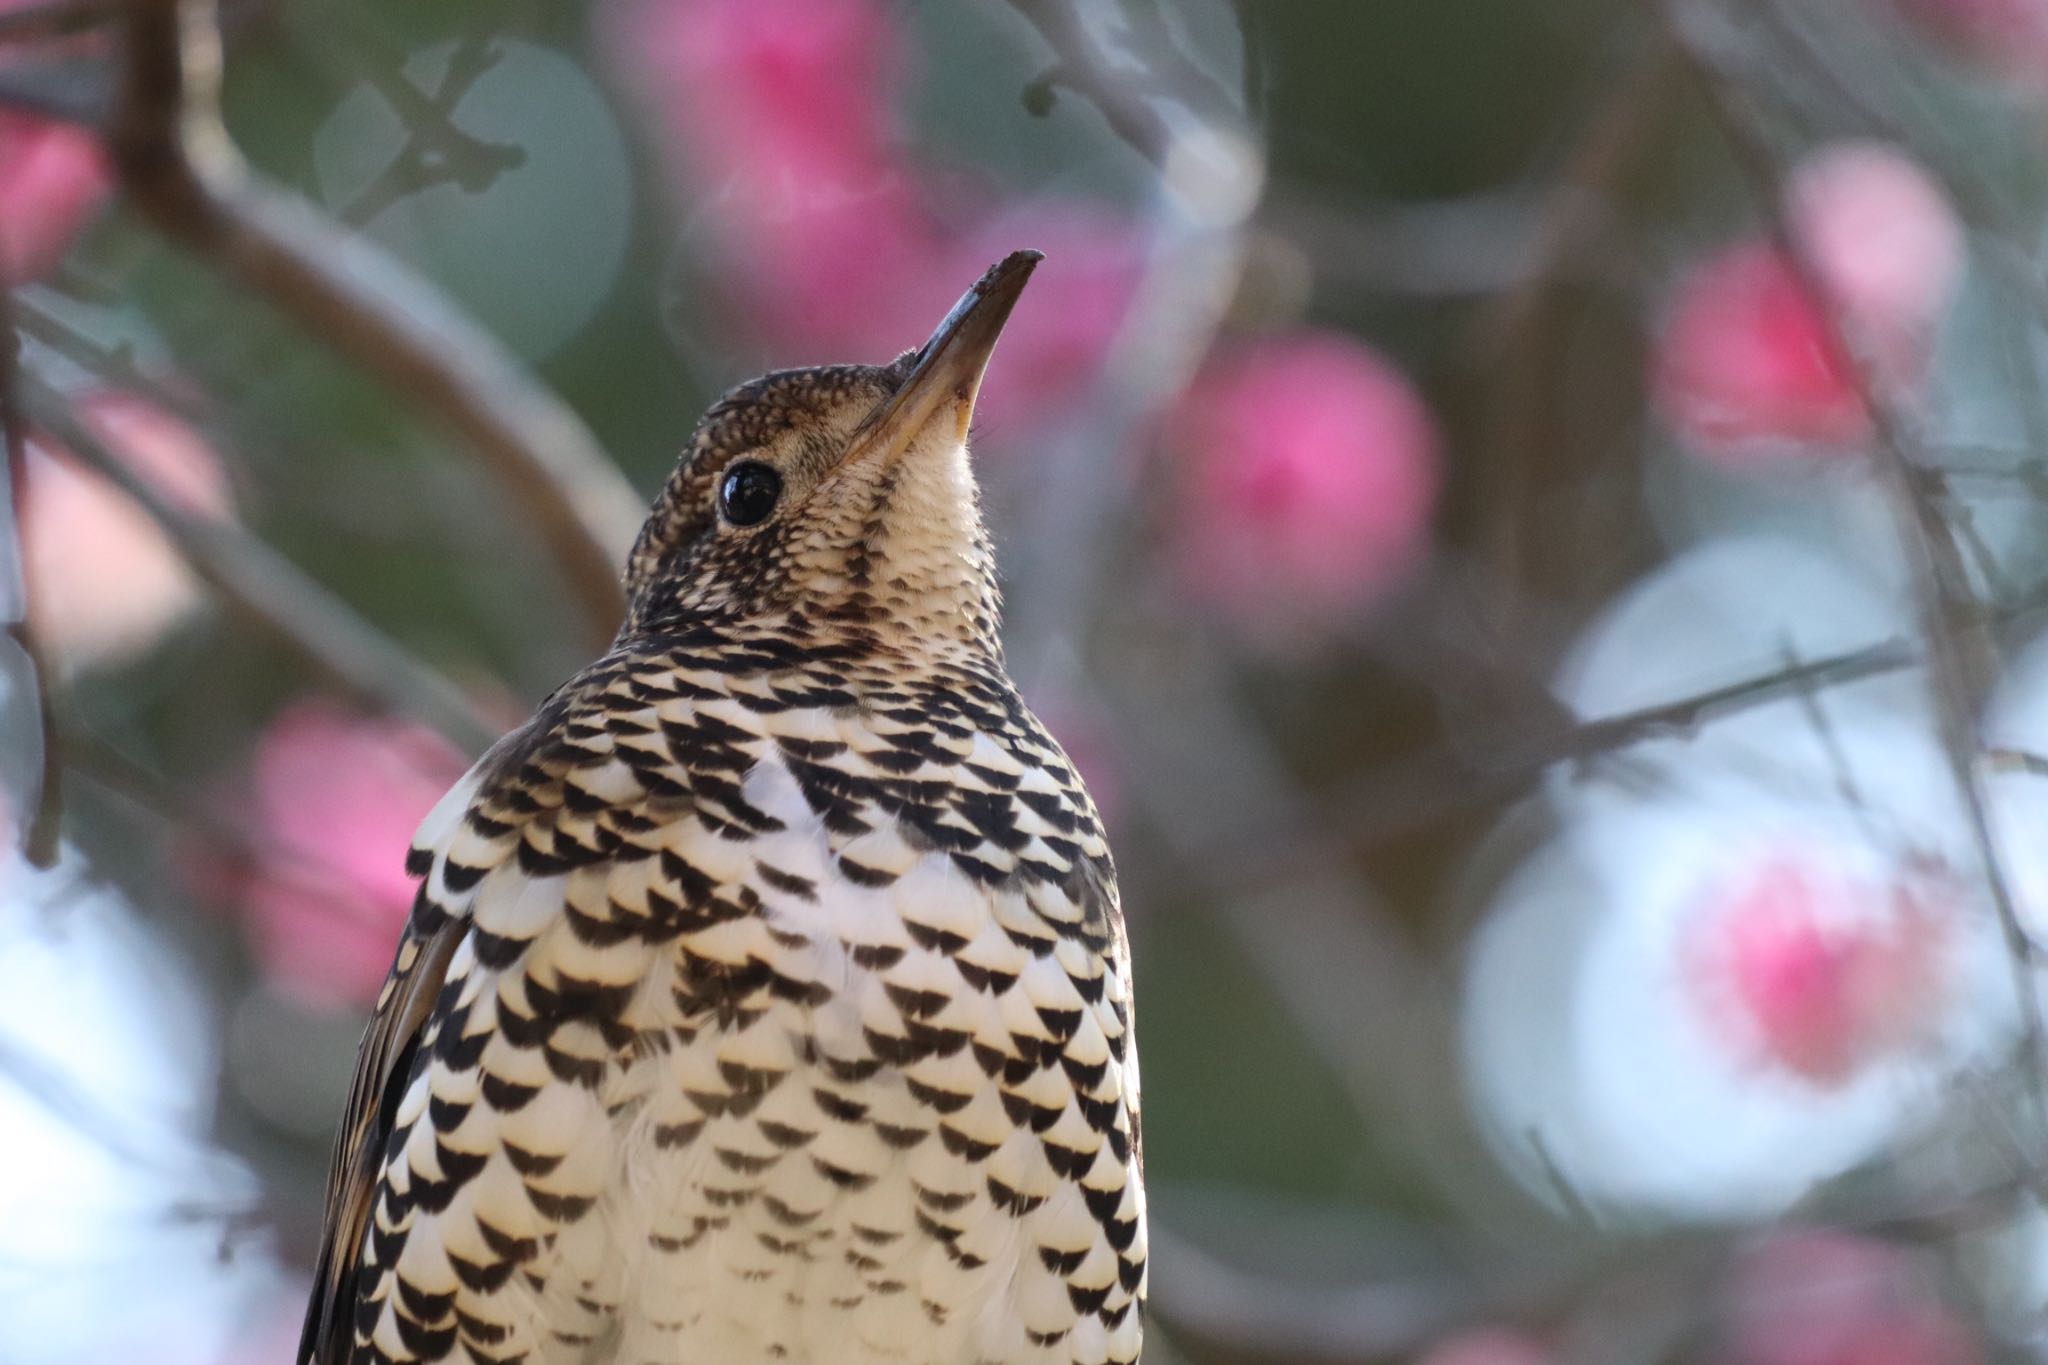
[176,162]
[270,590]
[435,150]
[1403,798]
[54,19]
[42,833]
[1510,336]
[1962,656]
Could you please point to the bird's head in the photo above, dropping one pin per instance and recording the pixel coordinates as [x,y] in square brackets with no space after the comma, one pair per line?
[840,494]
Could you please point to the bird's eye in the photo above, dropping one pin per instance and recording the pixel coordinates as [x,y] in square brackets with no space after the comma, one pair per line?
[748,492]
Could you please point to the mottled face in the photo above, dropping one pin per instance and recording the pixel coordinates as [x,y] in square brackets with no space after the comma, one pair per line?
[841,495]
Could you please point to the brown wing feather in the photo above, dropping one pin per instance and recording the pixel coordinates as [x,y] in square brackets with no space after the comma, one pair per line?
[383,1065]
[403,1016]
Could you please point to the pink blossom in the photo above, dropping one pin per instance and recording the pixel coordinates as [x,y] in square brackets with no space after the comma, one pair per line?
[787,93]
[1308,469]
[1882,235]
[1816,972]
[1487,1346]
[52,178]
[1749,366]
[337,798]
[104,581]
[780,115]
[2008,38]
[1827,1298]
[1746,369]
[781,118]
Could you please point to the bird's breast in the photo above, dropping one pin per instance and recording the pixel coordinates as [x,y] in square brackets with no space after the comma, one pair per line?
[845,1146]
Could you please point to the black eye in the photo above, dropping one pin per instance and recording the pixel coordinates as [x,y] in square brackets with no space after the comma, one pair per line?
[748,493]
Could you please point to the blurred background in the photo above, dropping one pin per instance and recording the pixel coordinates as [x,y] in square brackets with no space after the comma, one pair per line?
[1529,516]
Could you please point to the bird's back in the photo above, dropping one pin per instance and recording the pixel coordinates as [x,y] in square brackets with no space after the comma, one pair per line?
[766,999]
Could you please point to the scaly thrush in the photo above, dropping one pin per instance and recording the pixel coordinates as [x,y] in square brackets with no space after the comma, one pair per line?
[766,996]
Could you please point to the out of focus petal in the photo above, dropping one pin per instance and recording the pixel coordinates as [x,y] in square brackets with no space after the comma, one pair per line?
[105,583]
[52,178]
[337,798]
[1307,470]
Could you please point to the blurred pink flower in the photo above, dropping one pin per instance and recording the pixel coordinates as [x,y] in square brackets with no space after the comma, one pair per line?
[2008,38]
[52,177]
[780,116]
[793,94]
[1487,1346]
[105,583]
[1883,236]
[1817,973]
[1308,470]
[1827,1298]
[781,119]
[1747,369]
[338,796]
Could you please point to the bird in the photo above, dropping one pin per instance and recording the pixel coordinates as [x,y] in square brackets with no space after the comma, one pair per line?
[766,997]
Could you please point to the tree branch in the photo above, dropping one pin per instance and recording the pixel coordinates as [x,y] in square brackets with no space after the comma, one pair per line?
[1961,653]
[1127,93]
[176,162]
[42,832]
[272,591]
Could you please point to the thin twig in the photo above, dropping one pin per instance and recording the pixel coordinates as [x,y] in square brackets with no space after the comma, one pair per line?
[1961,654]
[269,589]
[42,833]
[176,162]
[1127,89]
[1243,1312]
[115,364]
[435,150]
[1509,338]
[1402,798]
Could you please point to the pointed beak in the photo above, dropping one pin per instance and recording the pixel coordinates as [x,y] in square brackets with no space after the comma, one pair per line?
[946,376]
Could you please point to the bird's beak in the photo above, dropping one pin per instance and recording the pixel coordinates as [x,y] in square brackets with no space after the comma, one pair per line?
[946,376]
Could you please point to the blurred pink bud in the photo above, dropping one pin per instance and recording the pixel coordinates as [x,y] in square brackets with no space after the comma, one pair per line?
[791,94]
[52,177]
[2008,38]
[1745,366]
[835,272]
[338,797]
[104,581]
[1881,233]
[1487,1346]
[778,117]
[1748,369]
[1818,973]
[1308,469]
[1826,1298]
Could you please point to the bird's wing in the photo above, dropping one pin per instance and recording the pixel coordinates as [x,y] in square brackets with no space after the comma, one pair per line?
[383,1062]
[484,844]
